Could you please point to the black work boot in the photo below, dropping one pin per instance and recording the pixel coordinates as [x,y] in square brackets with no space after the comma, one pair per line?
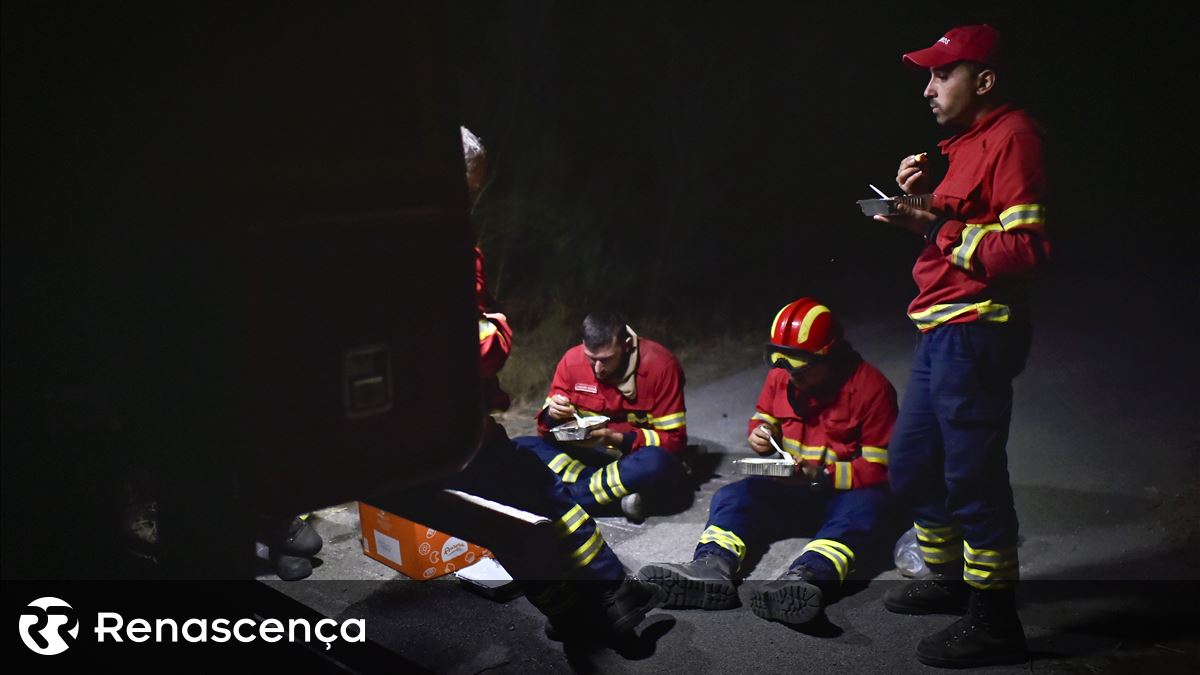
[626,605]
[292,536]
[290,567]
[794,598]
[944,592]
[600,613]
[706,583]
[989,635]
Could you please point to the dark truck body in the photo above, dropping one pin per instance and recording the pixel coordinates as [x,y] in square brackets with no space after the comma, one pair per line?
[237,276]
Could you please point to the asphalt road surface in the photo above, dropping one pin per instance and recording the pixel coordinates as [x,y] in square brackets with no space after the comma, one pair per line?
[1103,460]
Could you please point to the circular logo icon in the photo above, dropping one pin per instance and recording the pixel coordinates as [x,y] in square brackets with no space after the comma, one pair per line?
[450,568]
[423,549]
[430,572]
[470,557]
[435,556]
[49,626]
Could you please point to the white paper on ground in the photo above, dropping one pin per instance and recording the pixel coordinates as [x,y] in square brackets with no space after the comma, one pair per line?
[486,572]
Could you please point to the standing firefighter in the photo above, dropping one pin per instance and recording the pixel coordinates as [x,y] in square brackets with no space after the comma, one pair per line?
[580,585]
[833,412]
[638,385]
[985,237]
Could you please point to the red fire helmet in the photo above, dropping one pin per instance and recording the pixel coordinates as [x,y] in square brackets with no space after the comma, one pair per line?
[802,330]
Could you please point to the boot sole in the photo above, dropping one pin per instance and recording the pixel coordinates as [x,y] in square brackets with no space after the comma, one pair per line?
[684,593]
[998,660]
[795,604]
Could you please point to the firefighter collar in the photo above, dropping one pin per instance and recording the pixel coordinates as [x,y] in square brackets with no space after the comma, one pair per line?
[628,384]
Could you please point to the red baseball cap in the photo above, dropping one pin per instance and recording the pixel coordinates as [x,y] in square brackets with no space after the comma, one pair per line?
[979,43]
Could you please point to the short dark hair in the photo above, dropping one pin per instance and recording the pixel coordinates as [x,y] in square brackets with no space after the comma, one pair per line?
[601,328]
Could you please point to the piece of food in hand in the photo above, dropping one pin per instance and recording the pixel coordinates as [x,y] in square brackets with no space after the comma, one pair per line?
[920,159]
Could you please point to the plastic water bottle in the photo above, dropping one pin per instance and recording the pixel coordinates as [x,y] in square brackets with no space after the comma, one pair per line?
[907,555]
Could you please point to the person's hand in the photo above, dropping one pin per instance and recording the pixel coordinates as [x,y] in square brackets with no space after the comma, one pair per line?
[560,408]
[809,469]
[760,439]
[912,176]
[911,218]
[606,436]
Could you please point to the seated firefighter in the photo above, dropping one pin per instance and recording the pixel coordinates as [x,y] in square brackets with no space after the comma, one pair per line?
[635,458]
[833,412]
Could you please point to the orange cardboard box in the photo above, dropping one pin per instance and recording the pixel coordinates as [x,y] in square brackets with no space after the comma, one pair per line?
[417,551]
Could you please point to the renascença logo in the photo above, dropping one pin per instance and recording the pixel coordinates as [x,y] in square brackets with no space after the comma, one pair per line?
[49,626]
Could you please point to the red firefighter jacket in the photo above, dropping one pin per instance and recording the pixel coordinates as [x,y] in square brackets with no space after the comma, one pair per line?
[847,434]
[993,196]
[495,344]
[656,413]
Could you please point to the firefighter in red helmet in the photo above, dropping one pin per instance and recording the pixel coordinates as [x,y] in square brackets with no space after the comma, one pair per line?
[833,413]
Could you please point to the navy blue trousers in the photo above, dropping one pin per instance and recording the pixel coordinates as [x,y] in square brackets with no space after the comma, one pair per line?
[759,510]
[504,473]
[948,460]
[595,479]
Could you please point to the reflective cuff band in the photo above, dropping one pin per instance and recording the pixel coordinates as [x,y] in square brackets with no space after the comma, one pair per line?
[838,553]
[725,539]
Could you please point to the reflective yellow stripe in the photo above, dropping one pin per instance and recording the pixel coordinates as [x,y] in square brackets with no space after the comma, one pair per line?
[988,558]
[940,314]
[585,553]
[486,329]
[836,552]
[560,462]
[669,422]
[940,556]
[874,454]
[725,539]
[989,569]
[571,520]
[638,420]
[614,481]
[938,534]
[651,437]
[765,418]
[842,472]
[596,485]
[1024,216]
[807,322]
[971,236]
[573,470]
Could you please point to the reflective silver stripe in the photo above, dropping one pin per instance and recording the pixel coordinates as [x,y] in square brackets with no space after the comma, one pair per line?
[961,255]
[571,520]
[838,553]
[874,454]
[614,480]
[596,485]
[573,470]
[669,422]
[764,417]
[987,557]
[842,472]
[725,539]
[588,551]
[560,461]
[1022,215]
[938,535]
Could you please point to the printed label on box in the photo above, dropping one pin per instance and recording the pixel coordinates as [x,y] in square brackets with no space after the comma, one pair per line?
[453,548]
[387,547]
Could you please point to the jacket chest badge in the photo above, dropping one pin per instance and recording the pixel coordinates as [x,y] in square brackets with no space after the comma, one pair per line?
[589,388]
